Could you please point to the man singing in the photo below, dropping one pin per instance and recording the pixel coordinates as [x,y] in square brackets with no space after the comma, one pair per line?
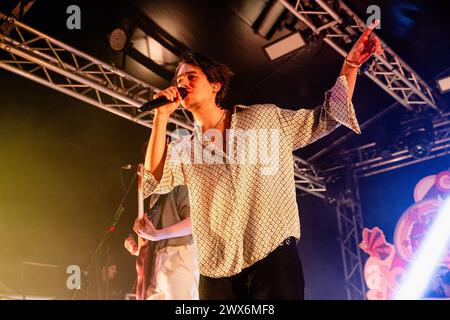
[245,220]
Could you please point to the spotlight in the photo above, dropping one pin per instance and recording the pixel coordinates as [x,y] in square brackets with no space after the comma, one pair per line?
[285,46]
[269,19]
[419,142]
[431,251]
[418,137]
[444,84]
[117,39]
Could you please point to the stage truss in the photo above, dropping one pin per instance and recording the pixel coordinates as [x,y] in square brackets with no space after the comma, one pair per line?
[45,60]
[340,26]
[373,158]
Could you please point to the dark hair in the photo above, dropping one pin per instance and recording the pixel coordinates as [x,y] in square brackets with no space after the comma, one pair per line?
[215,72]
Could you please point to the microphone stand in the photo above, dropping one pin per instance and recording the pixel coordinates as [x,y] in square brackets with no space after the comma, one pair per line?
[115,220]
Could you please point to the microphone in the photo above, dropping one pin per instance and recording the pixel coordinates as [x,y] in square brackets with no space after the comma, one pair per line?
[128,167]
[155,103]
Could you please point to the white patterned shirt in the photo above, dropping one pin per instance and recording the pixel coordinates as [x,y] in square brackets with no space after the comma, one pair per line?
[242,211]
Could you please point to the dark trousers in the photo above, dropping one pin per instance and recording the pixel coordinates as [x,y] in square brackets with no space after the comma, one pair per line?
[279,276]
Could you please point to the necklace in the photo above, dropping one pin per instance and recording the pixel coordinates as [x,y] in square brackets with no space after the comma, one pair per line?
[213,138]
[220,120]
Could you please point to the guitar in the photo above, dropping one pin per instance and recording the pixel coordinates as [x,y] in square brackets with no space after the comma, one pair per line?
[142,259]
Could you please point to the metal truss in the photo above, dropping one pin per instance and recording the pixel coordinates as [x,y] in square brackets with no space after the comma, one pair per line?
[372,159]
[364,161]
[339,29]
[45,60]
[350,224]
[308,179]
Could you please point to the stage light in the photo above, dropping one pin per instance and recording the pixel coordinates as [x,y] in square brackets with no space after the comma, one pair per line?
[419,142]
[428,256]
[444,84]
[269,19]
[418,136]
[118,39]
[285,46]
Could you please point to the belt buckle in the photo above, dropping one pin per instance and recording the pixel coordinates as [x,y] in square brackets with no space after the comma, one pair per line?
[286,242]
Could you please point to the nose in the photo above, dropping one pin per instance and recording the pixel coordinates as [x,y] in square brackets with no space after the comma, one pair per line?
[183,82]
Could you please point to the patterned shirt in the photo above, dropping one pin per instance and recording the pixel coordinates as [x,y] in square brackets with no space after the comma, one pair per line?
[243,210]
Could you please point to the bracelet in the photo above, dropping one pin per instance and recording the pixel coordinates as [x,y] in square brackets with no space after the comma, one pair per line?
[351,64]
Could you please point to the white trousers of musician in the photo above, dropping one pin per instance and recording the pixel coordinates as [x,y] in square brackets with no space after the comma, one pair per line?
[176,274]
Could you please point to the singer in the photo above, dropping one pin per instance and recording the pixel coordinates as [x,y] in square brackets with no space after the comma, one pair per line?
[245,222]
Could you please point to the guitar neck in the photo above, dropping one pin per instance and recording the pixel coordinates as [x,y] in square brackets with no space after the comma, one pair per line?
[141,241]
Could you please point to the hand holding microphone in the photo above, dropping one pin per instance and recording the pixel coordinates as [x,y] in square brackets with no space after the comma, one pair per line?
[166,101]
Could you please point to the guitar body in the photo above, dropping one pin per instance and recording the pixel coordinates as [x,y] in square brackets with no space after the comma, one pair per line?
[142,259]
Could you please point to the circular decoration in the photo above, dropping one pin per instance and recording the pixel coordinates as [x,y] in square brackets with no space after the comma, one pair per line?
[413,226]
[423,187]
[443,181]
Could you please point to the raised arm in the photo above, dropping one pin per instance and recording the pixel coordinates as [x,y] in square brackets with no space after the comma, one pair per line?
[156,150]
[362,50]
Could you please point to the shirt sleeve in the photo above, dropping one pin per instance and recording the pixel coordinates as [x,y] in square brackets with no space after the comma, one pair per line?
[183,206]
[172,174]
[306,126]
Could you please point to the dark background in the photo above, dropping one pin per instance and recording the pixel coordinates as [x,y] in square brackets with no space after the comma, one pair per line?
[60,168]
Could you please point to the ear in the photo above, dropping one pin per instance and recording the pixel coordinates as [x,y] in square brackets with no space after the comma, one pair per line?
[216,87]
